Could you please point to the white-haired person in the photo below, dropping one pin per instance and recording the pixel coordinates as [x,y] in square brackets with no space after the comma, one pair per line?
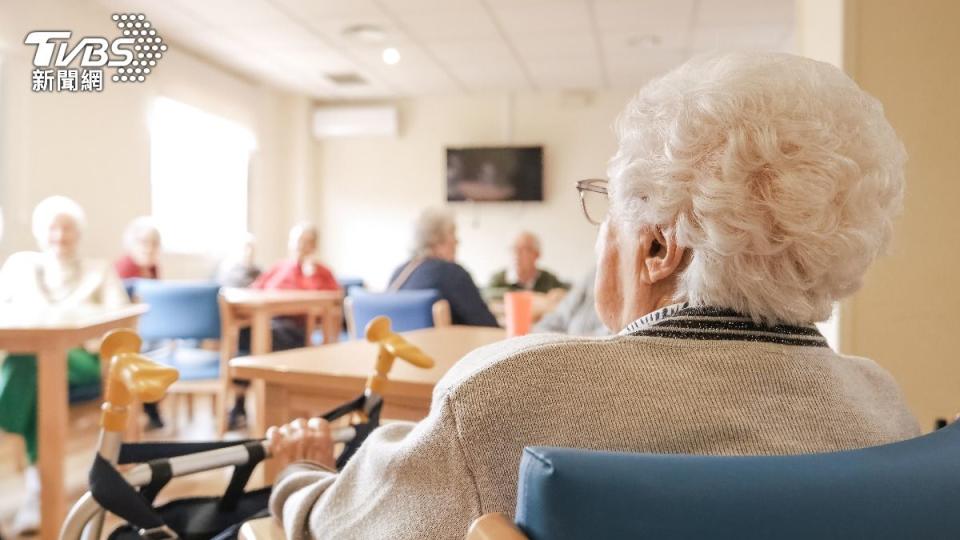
[748,194]
[433,266]
[301,271]
[141,244]
[55,279]
[523,274]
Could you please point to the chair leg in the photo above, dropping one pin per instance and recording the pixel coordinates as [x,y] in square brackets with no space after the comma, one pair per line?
[174,412]
[220,411]
[189,399]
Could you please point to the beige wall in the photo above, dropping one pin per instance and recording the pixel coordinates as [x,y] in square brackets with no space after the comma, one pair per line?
[371,189]
[904,52]
[95,147]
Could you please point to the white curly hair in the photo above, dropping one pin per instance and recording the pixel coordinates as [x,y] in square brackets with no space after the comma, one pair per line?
[50,209]
[779,174]
[139,228]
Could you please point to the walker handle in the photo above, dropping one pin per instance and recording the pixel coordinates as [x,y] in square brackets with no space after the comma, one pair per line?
[131,376]
[391,346]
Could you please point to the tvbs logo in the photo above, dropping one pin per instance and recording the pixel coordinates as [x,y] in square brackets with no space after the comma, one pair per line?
[133,55]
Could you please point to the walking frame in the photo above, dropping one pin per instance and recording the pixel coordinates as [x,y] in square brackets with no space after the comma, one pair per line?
[134,378]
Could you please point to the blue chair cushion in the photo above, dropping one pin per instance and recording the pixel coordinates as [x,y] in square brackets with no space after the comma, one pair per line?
[903,490]
[193,364]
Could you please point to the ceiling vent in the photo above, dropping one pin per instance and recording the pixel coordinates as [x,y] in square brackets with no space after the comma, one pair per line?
[346,79]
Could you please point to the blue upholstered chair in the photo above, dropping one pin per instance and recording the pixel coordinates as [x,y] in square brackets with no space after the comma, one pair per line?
[408,310]
[903,490]
[181,313]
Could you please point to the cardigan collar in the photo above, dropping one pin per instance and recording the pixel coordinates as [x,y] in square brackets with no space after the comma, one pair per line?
[683,321]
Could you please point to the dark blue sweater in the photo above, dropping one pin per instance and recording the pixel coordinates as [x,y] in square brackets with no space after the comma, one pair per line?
[455,286]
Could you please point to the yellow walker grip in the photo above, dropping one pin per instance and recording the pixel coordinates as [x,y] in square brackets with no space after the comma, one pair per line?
[391,347]
[131,376]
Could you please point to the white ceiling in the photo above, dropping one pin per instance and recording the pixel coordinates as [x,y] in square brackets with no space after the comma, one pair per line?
[464,46]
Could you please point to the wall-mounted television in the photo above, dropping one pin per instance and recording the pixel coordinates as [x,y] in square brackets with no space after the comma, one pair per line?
[505,173]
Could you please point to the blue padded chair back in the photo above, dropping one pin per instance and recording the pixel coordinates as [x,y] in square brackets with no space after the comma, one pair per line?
[408,310]
[178,310]
[903,490]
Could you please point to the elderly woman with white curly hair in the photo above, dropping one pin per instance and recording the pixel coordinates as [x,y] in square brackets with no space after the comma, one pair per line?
[749,193]
[54,280]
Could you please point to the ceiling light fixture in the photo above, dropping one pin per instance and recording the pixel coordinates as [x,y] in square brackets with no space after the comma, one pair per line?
[391,56]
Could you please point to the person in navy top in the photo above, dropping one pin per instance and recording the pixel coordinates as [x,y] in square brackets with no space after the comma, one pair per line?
[433,266]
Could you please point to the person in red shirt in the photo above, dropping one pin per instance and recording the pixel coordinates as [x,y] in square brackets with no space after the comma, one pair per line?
[141,241]
[302,271]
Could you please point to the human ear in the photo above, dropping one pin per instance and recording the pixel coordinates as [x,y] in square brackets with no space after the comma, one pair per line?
[664,256]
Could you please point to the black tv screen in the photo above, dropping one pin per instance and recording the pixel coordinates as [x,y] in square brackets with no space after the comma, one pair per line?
[513,173]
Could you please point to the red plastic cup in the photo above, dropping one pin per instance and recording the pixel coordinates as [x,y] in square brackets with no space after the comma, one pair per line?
[518,309]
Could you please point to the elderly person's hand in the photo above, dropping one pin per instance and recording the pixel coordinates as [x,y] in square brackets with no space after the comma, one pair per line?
[302,439]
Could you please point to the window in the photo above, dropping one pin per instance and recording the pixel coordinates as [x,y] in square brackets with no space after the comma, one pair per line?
[199,165]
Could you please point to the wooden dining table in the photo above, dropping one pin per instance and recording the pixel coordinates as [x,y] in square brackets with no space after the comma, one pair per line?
[256,308]
[308,382]
[49,335]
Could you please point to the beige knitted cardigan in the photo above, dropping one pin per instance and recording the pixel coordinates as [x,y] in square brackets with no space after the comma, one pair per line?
[672,390]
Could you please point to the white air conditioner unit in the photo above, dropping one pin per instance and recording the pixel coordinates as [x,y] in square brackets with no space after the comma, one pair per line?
[355,121]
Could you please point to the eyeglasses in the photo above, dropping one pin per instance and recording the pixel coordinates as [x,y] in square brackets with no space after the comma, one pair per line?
[594,199]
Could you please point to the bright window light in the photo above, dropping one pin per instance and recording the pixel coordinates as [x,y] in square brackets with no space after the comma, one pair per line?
[830,328]
[199,166]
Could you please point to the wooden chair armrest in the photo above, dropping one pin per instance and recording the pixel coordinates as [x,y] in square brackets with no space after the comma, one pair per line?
[494,526]
[261,529]
[441,313]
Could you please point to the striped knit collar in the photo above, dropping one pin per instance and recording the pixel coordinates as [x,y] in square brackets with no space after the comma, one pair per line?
[683,321]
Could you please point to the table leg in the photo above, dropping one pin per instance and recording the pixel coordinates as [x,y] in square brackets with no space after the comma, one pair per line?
[258,428]
[229,335]
[332,322]
[52,413]
[261,340]
[274,415]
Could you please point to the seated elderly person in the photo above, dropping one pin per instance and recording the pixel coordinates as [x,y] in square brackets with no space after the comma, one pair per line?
[302,271]
[576,314]
[240,268]
[523,273]
[141,242]
[54,280]
[748,194]
[433,266]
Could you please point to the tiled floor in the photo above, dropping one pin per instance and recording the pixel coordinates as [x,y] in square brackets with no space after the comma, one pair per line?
[81,445]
